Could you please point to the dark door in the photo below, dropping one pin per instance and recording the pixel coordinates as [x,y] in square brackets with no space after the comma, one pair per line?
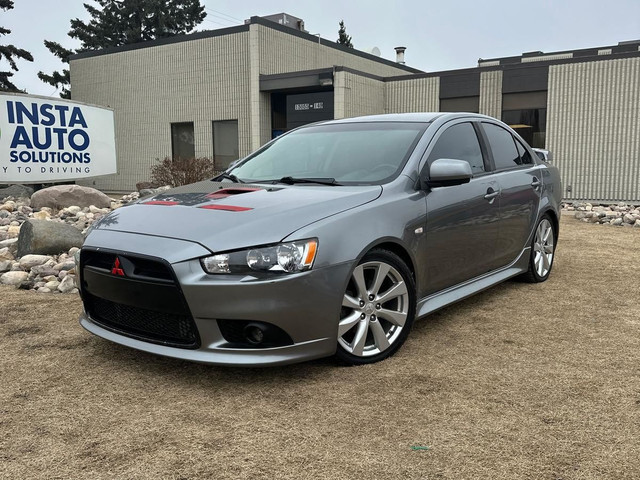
[520,183]
[462,220]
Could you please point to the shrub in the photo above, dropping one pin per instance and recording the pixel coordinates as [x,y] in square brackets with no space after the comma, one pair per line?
[182,171]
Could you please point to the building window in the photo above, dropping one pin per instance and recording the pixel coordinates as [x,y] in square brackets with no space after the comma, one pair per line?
[460,104]
[225,143]
[182,144]
[526,113]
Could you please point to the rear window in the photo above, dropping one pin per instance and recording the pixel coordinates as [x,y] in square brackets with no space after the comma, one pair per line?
[503,147]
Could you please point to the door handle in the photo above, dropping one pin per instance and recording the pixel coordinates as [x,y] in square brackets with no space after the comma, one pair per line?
[491,194]
[536,183]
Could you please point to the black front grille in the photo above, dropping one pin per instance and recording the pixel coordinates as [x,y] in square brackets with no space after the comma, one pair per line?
[137,297]
[157,327]
[133,266]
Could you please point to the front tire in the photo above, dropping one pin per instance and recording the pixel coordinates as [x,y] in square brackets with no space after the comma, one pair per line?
[378,309]
[543,249]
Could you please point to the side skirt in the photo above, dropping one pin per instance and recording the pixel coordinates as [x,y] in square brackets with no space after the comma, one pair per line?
[464,290]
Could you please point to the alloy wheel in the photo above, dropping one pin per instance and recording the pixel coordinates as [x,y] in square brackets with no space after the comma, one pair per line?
[543,248]
[374,311]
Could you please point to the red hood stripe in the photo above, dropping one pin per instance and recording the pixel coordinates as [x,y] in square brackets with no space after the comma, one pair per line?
[228,208]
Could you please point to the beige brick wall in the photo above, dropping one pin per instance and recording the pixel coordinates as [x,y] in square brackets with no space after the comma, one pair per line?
[491,94]
[149,88]
[413,95]
[281,52]
[356,95]
[593,128]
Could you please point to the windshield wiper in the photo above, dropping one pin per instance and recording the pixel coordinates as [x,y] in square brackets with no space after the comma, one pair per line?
[228,176]
[319,181]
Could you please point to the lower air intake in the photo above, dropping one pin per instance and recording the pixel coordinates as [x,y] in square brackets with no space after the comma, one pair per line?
[157,327]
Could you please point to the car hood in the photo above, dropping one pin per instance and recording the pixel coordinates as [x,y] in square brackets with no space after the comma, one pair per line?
[227,216]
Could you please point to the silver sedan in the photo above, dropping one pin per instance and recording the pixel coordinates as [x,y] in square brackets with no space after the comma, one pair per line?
[330,240]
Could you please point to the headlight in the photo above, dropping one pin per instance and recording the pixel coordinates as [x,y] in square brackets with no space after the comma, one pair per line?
[285,257]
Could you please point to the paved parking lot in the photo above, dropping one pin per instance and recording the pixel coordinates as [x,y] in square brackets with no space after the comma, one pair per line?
[522,381]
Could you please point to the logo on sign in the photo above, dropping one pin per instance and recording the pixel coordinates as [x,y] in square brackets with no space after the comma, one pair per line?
[46,133]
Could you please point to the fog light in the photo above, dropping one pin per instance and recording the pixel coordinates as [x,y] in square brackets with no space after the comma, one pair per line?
[254,333]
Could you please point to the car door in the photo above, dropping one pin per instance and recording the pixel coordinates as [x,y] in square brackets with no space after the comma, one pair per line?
[462,220]
[520,183]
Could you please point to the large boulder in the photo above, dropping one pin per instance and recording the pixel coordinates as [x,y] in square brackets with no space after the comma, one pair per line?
[47,238]
[15,191]
[62,196]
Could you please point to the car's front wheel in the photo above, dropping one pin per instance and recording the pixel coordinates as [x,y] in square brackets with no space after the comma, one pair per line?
[378,309]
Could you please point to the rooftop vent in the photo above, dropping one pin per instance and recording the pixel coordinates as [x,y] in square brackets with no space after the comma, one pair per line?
[286,20]
[400,54]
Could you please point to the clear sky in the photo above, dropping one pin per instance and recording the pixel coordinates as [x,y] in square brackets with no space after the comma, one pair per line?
[438,35]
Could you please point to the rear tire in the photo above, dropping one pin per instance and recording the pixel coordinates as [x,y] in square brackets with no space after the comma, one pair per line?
[378,309]
[543,247]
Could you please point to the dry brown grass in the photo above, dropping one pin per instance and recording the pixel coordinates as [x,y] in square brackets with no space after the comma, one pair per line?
[523,381]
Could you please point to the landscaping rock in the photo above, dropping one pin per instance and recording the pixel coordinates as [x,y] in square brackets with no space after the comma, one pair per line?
[13,278]
[5,254]
[52,285]
[617,215]
[10,243]
[8,206]
[68,284]
[16,191]
[145,186]
[62,196]
[29,261]
[13,231]
[45,237]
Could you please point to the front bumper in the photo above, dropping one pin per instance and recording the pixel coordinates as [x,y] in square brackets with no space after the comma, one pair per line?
[305,305]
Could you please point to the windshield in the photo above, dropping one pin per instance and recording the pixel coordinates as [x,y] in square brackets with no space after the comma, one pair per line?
[369,153]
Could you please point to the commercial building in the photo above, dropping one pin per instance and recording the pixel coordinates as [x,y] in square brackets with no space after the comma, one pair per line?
[224,93]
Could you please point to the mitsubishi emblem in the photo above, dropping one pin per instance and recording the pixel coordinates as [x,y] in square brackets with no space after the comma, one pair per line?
[117,269]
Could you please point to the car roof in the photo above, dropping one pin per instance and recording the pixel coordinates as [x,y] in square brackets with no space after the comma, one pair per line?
[421,117]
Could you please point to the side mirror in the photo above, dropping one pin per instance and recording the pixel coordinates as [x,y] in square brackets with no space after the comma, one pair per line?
[544,155]
[446,172]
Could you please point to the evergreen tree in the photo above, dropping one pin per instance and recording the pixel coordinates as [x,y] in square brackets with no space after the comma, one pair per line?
[343,38]
[115,22]
[10,53]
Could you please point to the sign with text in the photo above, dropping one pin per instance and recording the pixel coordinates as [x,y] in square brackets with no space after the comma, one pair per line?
[306,108]
[43,140]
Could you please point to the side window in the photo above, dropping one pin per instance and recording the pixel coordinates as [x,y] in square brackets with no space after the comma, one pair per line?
[525,157]
[459,142]
[503,147]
